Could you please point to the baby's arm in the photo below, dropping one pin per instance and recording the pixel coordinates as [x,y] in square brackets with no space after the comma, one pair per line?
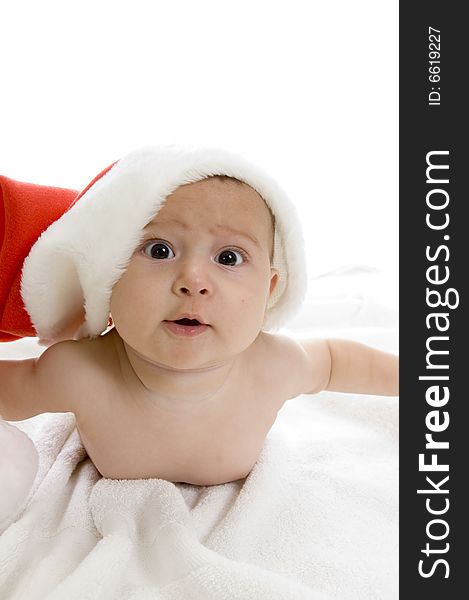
[347,366]
[37,385]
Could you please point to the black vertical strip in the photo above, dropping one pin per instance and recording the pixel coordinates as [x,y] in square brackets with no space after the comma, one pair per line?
[433,264]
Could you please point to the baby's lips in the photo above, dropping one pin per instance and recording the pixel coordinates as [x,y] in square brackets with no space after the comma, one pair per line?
[190,317]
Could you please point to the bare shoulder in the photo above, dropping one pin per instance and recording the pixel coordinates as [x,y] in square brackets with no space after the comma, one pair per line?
[67,372]
[298,367]
[57,381]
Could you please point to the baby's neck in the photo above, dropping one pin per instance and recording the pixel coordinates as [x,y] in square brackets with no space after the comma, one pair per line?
[175,389]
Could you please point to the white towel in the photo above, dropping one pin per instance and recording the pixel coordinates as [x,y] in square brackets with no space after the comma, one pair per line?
[316,517]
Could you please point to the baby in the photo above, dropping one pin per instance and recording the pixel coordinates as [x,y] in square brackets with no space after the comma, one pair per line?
[187,382]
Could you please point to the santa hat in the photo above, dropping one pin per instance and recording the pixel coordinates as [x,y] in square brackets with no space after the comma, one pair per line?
[61,252]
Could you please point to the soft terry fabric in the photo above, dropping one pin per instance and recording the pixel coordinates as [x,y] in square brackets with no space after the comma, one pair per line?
[316,518]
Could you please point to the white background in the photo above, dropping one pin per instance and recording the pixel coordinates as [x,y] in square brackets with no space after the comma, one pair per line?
[307,89]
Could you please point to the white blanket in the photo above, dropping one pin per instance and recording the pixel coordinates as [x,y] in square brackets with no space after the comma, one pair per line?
[316,517]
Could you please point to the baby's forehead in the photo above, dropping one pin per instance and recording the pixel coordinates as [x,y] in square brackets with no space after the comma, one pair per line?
[218,198]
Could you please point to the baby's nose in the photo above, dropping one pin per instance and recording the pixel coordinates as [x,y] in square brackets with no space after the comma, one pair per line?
[192,291]
[192,280]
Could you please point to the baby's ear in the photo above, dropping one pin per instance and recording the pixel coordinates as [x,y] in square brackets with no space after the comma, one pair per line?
[274,278]
[70,329]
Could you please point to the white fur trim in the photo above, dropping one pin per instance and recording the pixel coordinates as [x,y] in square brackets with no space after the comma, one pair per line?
[69,266]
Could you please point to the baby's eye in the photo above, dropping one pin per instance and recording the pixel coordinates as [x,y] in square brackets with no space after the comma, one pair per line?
[230,257]
[158,250]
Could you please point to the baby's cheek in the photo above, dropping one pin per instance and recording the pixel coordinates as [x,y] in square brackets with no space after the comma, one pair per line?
[122,305]
[252,309]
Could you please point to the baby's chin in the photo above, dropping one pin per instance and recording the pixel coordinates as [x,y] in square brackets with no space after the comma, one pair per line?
[187,365]
[195,358]
[191,355]
[187,360]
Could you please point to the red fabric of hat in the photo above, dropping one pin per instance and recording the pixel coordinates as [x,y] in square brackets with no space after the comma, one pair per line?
[26,210]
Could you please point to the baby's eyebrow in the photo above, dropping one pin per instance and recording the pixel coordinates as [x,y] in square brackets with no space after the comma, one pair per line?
[226,228]
[244,234]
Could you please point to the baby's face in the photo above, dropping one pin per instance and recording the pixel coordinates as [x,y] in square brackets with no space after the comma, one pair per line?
[207,252]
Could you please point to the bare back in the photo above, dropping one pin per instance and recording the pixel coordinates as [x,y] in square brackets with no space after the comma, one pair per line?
[128,437]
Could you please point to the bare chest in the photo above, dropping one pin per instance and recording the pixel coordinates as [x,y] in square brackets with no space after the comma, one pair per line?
[126,439]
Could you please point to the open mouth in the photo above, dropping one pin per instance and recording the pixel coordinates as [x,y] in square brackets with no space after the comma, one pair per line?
[187,322]
[186,327]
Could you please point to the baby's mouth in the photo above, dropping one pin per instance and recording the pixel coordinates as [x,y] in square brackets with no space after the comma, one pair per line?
[187,322]
[185,327]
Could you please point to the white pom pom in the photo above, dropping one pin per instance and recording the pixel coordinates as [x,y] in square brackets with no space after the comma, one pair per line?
[18,468]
